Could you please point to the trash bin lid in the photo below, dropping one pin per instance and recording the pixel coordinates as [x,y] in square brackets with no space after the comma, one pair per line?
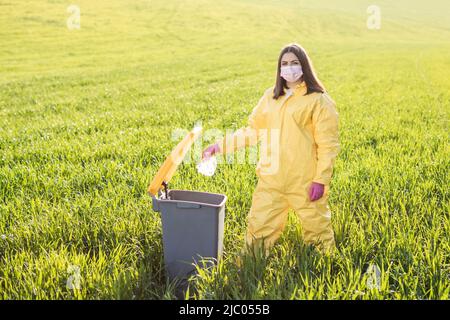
[171,163]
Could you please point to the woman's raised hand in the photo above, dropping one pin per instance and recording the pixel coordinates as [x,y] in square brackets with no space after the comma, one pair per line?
[210,151]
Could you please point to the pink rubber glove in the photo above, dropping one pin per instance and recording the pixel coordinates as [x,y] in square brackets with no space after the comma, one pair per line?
[210,151]
[316,191]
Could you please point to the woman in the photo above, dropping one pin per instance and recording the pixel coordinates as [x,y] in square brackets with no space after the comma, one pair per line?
[305,122]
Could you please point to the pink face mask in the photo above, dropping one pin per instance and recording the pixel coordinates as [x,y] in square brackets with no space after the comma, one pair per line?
[291,73]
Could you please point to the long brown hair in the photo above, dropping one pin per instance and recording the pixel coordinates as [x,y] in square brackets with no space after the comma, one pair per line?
[313,83]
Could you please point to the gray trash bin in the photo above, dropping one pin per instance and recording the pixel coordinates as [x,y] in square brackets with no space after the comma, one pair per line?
[192,224]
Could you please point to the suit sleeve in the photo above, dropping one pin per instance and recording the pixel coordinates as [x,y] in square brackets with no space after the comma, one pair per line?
[246,136]
[326,136]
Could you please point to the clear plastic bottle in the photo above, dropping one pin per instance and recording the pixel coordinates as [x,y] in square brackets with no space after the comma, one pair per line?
[207,166]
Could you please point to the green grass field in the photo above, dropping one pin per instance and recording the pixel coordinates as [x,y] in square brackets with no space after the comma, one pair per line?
[86,118]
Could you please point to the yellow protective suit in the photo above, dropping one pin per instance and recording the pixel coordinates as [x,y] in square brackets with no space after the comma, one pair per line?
[307,137]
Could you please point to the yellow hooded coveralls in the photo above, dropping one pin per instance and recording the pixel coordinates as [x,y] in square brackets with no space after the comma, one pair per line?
[306,130]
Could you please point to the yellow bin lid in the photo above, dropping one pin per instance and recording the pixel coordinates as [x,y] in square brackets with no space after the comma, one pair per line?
[171,163]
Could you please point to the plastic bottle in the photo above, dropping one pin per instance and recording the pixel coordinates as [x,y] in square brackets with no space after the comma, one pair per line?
[207,166]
